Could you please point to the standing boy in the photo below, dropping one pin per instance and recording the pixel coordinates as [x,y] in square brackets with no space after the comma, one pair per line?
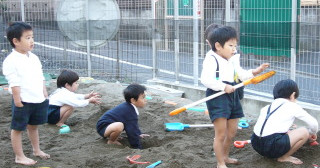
[218,74]
[124,117]
[23,70]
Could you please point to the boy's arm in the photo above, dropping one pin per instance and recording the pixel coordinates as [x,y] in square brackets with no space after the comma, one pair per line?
[144,135]
[261,68]
[133,132]
[45,93]
[303,115]
[92,97]
[16,96]
[11,75]
[69,98]
[247,74]
[208,75]
[242,73]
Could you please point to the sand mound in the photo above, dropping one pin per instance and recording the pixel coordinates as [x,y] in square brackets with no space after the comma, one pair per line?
[83,147]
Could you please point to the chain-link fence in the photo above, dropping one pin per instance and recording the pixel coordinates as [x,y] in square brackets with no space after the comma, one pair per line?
[137,40]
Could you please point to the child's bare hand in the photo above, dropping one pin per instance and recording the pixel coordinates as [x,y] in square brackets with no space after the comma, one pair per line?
[95,100]
[92,94]
[144,135]
[313,137]
[229,89]
[18,104]
[261,68]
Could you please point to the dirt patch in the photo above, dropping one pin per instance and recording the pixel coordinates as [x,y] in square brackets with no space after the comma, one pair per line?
[83,147]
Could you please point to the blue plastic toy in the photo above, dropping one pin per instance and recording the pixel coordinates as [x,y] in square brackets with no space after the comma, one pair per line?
[197,109]
[243,124]
[148,97]
[154,164]
[64,129]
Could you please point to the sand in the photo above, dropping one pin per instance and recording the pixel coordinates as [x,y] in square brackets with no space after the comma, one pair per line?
[83,147]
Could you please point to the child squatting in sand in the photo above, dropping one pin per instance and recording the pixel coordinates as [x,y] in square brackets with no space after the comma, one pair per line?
[124,117]
[271,137]
[63,100]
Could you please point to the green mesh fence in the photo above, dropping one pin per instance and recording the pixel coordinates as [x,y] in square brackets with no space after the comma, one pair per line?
[265,27]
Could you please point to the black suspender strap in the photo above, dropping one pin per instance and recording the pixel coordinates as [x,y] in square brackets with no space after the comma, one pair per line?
[268,115]
[217,70]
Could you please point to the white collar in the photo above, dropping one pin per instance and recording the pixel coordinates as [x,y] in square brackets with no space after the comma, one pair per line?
[18,53]
[135,108]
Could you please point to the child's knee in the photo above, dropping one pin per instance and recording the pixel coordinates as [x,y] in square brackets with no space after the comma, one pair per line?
[301,133]
[220,138]
[69,108]
[66,109]
[116,127]
[231,136]
[119,126]
[32,127]
[304,131]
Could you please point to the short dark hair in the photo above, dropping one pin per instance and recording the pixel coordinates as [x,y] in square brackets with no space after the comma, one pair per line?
[220,35]
[133,91]
[210,29]
[284,88]
[15,30]
[66,77]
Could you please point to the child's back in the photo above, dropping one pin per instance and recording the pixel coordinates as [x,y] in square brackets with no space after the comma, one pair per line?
[124,117]
[272,136]
[126,114]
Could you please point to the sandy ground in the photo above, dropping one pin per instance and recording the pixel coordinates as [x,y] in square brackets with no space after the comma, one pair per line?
[83,147]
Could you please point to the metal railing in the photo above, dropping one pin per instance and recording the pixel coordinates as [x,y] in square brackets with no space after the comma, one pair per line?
[164,39]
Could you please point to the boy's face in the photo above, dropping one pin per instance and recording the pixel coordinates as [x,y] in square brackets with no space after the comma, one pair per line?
[73,87]
[141,102]
[26,42]
[228,50]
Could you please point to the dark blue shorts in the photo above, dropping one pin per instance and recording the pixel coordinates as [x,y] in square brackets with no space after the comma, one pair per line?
[225,106]
[29,114]
[101,129]
[53,114]
[272,146]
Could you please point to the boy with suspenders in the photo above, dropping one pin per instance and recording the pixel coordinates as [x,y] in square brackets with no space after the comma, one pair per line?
[271,137]
[220,67]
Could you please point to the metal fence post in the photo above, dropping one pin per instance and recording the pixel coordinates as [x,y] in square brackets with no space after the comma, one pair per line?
[227,12]
[195,43]
[88,38]
[118,57]
[22,10]
[293,57]
[202,28]
[176,40]
[65,53]
[154,45]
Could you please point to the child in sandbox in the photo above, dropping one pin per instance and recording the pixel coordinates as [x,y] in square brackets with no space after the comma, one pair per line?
[220,69]
[271,137]
[124,117]
[23,70]
[63,100]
